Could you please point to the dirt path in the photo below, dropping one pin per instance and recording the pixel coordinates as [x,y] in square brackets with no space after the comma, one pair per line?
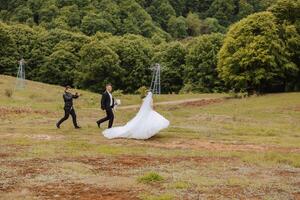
[176,102]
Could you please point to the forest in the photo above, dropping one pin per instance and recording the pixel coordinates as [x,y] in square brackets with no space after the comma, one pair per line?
[202,45]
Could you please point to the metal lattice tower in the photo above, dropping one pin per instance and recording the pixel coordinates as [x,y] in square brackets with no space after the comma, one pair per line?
[20,82]
[155,87]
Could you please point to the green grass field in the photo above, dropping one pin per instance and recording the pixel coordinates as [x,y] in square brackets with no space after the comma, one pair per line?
[214,149]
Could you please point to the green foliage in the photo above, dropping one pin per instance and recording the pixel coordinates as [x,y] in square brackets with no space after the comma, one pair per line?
[142,91]
[201,63]
[142,17]
[99,65]
[8,55]
[150,177]
[135,55]
[245,9]
[59,68]
[8,93]
[88,43]
[194,24]
[286,10]
[223,10]
[177,27]
[212,25]
[288,17]
[171,56]
[118,93]
[253,55]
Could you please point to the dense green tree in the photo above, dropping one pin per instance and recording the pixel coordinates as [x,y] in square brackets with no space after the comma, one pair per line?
[244,9]
[253,56]
[144,17]
[92,23]
[211,25]
[223,10]
[8,54]
[48,14]
[171,56]
[194,24]
[23,14]
[161,11]
[287,13]
[177,27]
[178,6]
[201,64]
[59,68]
[286,10]
[24,38]
[99,65]
[135,54]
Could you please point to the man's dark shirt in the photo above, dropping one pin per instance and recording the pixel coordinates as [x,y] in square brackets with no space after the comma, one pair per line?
[68,98]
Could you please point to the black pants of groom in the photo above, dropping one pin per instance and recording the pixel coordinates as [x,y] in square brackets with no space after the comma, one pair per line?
[109,117]
[107,104]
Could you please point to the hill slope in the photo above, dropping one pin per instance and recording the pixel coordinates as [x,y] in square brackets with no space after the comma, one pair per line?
[234,148]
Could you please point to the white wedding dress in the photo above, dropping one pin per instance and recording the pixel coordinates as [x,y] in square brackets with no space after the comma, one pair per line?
[144,125]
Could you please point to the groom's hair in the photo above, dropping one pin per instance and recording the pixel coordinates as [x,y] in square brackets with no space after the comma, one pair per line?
[108,84]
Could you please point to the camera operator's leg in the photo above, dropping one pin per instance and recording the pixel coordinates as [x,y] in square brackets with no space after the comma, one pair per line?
[66,116]
[74,118]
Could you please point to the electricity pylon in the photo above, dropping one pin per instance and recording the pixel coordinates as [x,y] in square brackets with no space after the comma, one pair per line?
[155,87]
[20,82]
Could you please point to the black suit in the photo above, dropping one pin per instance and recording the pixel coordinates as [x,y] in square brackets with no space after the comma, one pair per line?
[107,104]
[69,109]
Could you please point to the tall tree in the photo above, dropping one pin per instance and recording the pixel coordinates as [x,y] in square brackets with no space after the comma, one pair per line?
[171,56]
[8,52]
[99,65]
[177,27]
[253,56]
[201,64]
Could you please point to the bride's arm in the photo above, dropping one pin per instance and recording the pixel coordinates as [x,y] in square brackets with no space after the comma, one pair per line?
[152,105]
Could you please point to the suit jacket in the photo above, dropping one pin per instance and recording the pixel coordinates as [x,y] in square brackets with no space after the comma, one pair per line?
[68,99]
[105,101]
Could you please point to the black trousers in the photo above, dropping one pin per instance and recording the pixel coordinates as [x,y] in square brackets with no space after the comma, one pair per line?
[109,116]
[68,112]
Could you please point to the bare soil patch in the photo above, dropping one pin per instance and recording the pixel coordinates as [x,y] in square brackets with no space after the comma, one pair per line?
[120,164]
[196,144]
[4,111]
[81,191]
[27,167]
[202,102]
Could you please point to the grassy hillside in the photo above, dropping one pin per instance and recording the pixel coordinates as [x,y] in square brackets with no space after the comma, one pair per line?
[214,149]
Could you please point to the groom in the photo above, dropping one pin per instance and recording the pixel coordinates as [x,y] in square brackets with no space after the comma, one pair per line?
[107,104]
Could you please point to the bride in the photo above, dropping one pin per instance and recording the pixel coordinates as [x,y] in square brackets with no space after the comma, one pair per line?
[144,125]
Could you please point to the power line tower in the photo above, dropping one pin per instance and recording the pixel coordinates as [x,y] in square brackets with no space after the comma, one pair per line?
[155,87]
[20,82]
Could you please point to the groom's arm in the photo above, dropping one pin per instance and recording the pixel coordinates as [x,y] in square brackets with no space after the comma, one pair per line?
[103,102]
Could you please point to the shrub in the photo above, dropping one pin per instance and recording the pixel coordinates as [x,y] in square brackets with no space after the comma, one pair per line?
[150,178]
[8,93]
[187,88]
[118,93]
[142,91]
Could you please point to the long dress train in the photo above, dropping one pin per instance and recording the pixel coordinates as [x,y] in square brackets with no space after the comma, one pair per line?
[144,125]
